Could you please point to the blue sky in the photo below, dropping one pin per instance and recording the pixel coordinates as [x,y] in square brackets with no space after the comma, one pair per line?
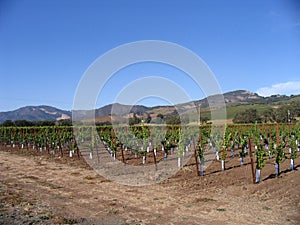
[46,46]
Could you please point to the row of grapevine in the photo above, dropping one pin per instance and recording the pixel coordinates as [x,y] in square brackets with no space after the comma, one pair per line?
[143,140]
[269,142]
[52,139]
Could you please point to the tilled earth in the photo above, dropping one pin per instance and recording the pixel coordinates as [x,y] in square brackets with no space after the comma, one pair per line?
[39,189]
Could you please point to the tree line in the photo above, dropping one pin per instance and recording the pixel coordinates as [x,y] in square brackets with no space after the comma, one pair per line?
[281,114]
[42,123]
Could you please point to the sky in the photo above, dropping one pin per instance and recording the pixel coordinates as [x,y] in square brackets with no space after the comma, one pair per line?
[46,47]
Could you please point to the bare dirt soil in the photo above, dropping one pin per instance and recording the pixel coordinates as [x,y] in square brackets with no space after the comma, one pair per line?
[39,189]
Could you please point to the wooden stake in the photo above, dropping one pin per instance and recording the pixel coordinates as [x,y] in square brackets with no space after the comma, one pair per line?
[76,146]
[252,161]
[123,159]
[97,152]
[59,142]
[196,160]
[277,134]
[154,159]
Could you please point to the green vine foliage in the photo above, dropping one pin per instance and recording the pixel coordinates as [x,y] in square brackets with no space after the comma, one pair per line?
[92,146]
[261,154]
[201,146]
[181,145]
[243,145]
[279,153]
[145,135]
[294,147]
[225,144]
[235,140]
[260,157]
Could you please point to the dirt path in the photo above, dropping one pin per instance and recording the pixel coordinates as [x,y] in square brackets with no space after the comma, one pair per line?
[36,190]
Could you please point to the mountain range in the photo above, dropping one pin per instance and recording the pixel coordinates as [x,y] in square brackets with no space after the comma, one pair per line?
[232,99]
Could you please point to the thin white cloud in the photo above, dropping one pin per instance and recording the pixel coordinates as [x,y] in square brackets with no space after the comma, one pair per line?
[288,88]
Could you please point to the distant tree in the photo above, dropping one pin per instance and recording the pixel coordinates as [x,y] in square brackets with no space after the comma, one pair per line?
[147,118]
[23,123]
[247,116]
[106,123]
[239,118]
[285,114]
[8,123]
[173,119]
[268,116]
[159,119]
[204,119]
[66,122]
[295,108]
[161,116]
[134,120]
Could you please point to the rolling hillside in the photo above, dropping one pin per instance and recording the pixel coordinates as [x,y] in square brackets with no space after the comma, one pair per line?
[236,101]
[35,113]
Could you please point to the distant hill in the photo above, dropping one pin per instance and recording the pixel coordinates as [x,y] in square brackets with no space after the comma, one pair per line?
[241,96]
[235,101]
[120,109]
[35,113]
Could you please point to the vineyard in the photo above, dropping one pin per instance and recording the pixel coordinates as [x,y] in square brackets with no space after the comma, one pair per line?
[146,145]
[46,175]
